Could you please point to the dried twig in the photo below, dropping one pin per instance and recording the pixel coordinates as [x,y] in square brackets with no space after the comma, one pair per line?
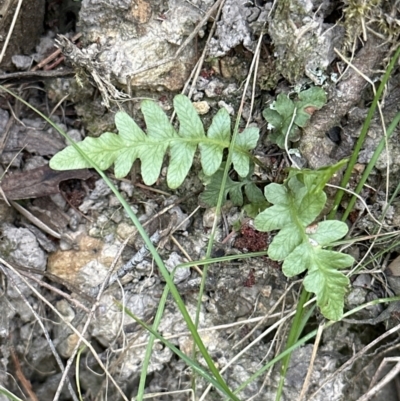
[54,55]
[10,31]
[85,60]
[26,384]
[38,74]
[354,358]
[34,220]
[385,380]
[310,367]
[38,319]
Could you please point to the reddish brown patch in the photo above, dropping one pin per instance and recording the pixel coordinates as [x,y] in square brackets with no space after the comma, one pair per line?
[250,280]
[353,216]
[73,192]
[252,240]
[207,73]
[274,264]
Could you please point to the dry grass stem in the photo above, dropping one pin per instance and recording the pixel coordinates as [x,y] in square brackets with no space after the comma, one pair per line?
[37,317]
[311,365]
[360,199]
[257,58]
[34,220]
[248,347]
[70,326]
[187,256]
[347,364]
[153,395]
[196,69]
[10,31]
[385,380]
[268,316]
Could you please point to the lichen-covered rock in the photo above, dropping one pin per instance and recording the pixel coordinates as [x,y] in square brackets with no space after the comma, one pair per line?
[139,40]
[21,246]
[233,28]
[303,42]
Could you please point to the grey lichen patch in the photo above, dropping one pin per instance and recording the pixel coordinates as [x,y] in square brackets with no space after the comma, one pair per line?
[303,42]
[22,247]
[234,29]
[138,41]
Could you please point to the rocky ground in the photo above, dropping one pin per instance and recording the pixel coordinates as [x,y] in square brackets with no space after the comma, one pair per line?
[63,232]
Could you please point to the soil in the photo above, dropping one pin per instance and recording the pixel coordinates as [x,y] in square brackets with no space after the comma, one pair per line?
[70,255]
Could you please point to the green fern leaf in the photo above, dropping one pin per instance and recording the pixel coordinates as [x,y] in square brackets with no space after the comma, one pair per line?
[296,204]
[132,143]
[280,113]
[245,141]
[234,190]
[211,153]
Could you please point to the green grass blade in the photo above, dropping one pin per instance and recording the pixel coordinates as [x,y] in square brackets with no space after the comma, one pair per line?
[294,334]
[197,368]
[77,374]
[149,348]
[363,134]
[371,165]
[9,394]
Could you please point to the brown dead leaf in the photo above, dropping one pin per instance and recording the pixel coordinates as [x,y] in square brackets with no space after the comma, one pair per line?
[42,181]
[310,110]
[49,214]
[32,140]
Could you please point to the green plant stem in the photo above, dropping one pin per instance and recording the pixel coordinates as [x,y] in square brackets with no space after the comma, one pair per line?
[294,334]
[306,338]
[9,394]
[371,165]
[223,184]
[363,135]
[163,270]
[78,384]
[149,348]
[221,259]
[214,227]
[217,215]
[197,368]
[220,203]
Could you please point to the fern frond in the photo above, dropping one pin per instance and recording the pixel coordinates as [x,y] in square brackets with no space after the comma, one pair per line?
[132,143]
